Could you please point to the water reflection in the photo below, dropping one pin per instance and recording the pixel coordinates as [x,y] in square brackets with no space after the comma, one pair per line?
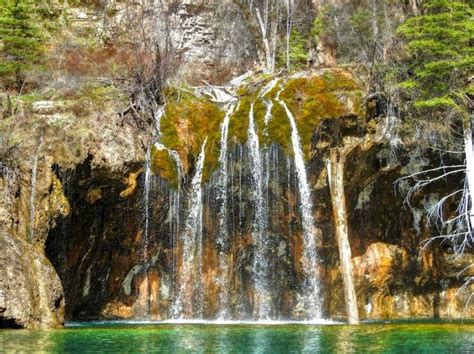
[312,341]
[294,338]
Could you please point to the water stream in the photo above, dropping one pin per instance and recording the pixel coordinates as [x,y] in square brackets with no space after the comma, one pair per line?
[311,291]
[223,236]
[242,202]
[188,299]
[146,231]
[262,300]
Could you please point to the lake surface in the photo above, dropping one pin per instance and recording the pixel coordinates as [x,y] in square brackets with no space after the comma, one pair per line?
[414,337]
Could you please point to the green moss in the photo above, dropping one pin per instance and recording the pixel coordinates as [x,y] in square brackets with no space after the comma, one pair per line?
[100,94]
[163,165]
[185,126]
[189,120]
[273,92]
[28,99]
[279,129]
[239,121]
[319,97]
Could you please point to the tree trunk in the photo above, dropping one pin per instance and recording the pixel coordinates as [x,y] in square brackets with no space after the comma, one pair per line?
[468,148]
[414,7]
[289,22]
[336,184]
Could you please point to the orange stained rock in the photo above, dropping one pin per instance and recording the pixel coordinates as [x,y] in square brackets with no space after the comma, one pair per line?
[379,262]
[131,182]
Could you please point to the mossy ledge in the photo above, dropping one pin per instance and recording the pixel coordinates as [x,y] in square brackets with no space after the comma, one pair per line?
[312,97]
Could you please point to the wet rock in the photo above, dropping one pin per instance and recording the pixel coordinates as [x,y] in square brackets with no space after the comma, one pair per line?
[380,264]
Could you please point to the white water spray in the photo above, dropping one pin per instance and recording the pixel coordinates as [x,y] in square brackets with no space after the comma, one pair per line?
[262,301]
[147,222]
[223,237]
[189,281]
[311,291]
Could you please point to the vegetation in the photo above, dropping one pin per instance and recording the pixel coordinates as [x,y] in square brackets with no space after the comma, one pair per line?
[21,40]
[428,63]
[439,58]
[189,119]
[298,51]
[317,98]
[185,126]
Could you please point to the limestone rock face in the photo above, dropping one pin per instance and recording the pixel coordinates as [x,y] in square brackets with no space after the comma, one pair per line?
[210,37]
[213,37]
[31,294]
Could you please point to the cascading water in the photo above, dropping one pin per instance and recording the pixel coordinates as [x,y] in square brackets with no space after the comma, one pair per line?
[146,197]
[262,298]
[268,112]
[223,236]
[34,173]
[158,113]
[175,212]
[146,231]
[251,203]
[311,290]
[189,290]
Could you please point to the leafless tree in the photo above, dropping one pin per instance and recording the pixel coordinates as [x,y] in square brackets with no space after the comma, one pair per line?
[265,17]
[148,32]
[456,228]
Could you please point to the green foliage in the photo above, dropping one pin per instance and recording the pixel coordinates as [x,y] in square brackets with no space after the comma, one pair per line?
[298,50]
[439,56]
[323,27]
[319,24]
[21,41]
[361,21]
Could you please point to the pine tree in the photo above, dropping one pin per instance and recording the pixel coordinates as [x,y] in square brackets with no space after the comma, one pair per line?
[20,40]
[440,56]
[438,86]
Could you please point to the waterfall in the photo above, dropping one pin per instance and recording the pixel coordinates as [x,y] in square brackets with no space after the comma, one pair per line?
[147,199]
[249,218]
[175,211]
[268,87]
[34,173]
[146,231]
[262,301]
[189,290]
[268,112]
[158,113]
[223,237]
[174,204]
[311,291]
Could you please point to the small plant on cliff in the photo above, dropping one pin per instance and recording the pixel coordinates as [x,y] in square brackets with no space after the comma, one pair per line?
[20,41]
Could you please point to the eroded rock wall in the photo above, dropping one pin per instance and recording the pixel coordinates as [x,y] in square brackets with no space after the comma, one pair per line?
[39,142]
[31,294]
[395,277]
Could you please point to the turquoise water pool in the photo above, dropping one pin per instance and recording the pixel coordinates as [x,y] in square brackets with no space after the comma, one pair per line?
[244,338]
